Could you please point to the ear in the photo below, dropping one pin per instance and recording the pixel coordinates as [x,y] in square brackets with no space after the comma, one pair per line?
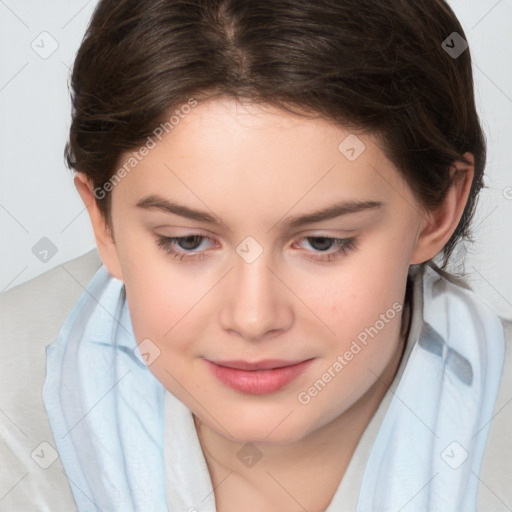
[104,238]
[439,224]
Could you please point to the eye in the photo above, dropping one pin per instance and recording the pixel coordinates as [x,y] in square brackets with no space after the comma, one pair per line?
[343,246]
[187,243]
[181,247]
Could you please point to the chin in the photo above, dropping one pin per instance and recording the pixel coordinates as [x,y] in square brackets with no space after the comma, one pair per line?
[282,428]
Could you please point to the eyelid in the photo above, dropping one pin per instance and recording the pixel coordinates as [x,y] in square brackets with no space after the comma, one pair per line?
[327,233]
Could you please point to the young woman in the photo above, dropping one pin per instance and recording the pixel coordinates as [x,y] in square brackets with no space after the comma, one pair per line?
[276,188]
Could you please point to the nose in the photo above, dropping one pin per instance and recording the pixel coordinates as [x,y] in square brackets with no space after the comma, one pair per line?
[256,305]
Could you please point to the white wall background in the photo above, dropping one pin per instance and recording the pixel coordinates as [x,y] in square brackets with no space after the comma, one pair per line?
[37,195]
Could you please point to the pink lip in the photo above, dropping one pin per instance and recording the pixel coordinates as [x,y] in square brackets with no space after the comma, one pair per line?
[257,378]
[267,364]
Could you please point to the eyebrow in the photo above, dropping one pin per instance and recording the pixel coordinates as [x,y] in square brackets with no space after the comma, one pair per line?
[155,202]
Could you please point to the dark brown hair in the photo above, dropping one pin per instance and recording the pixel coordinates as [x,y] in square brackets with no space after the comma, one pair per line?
[370,65]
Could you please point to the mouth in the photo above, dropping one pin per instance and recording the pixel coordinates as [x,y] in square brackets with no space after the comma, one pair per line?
[260,377]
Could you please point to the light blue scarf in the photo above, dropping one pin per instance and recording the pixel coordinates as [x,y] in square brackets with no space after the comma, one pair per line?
[106,408]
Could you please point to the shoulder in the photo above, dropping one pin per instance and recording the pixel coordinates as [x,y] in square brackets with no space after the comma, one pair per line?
[31,314]
[47,296]
[495,489]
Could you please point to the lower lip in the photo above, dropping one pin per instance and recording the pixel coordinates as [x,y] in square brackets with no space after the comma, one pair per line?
[258,382]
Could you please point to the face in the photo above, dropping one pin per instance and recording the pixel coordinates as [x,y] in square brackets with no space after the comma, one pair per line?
[227,262]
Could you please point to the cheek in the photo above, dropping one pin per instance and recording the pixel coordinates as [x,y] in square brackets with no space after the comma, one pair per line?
[165,315]
[352,296]
[364,309]
[362,304]
[161,301]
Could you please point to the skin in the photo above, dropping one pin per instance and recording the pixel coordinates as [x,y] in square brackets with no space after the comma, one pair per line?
[253,167]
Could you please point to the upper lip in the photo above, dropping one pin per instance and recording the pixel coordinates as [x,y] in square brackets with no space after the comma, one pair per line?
[266,364]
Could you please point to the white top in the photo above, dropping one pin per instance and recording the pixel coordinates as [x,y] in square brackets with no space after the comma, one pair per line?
[31,474]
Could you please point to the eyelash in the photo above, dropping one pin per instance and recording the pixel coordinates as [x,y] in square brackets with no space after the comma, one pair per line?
[345,246]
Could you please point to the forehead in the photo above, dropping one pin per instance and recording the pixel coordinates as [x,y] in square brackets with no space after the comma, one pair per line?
[259,156]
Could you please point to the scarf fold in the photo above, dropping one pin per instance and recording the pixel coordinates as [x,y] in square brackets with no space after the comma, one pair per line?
[104,405]
[428,452]
[106,409]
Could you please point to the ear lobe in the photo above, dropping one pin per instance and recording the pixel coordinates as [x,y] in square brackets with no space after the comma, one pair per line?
[104,238]
[439,224]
